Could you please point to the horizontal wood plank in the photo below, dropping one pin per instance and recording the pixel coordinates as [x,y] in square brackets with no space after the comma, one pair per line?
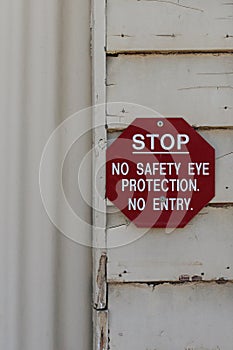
[177,317]
[197,87]
[222,141]
[140,25]
[204,248]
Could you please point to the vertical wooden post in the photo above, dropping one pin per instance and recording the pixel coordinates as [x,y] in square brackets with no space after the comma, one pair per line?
[98,199]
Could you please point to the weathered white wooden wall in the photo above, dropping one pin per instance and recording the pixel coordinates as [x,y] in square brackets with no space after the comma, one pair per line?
[168,290]
[147,25]
[45,279]
[202,250]
[195,316]
[199,87]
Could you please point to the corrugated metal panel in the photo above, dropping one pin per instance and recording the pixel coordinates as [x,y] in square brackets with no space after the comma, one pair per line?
[45,279]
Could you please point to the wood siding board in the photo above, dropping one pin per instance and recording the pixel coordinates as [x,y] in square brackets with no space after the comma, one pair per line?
[203,248]
[140,25]
[197,87]
[186,316]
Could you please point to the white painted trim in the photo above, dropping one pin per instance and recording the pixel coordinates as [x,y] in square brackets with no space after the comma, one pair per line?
[99,143]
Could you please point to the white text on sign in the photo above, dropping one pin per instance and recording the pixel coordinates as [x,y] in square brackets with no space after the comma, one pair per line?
[167,142]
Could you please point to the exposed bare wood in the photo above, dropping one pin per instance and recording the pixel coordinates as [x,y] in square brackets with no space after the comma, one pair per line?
[101,286]
[101,330]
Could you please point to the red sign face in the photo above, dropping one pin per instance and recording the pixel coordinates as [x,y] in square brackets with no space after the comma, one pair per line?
[160,172]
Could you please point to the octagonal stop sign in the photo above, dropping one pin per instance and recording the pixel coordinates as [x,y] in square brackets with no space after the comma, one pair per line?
[160,172]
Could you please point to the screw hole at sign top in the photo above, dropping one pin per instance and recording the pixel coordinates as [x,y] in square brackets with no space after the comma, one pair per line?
[160,123]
